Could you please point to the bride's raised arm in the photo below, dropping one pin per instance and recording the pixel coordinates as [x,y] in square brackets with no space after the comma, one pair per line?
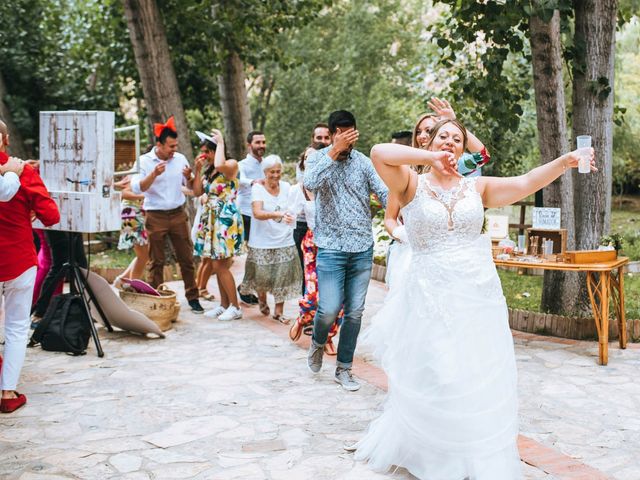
[499,192]
[392,161]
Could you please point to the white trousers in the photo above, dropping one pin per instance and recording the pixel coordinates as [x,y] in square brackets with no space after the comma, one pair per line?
[16,295]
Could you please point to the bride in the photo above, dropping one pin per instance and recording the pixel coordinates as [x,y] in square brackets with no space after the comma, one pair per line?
[444,338]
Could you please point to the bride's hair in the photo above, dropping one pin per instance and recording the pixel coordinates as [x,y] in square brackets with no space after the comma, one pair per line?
[434,131]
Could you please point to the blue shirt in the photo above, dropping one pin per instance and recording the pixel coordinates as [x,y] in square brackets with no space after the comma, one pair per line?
[342,189]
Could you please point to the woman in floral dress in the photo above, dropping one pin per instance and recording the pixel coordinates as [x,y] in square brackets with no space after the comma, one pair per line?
[133,234]
[220,231]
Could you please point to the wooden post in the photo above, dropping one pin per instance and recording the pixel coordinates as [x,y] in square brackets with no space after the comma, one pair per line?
[622,320]
[605,280]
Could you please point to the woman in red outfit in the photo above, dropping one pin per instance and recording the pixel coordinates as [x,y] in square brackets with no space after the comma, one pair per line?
[18,262]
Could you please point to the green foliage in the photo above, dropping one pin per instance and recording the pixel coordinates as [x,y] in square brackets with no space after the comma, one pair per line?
[485,51]
[381,59]
[61,55]
[626,144]
[612,240]
[358,56]
[626,224]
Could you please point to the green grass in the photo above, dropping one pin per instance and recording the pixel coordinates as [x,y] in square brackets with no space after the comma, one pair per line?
[112,258]
[516,287]
[627,224]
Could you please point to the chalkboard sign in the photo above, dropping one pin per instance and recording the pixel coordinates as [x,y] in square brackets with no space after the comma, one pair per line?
[546,218]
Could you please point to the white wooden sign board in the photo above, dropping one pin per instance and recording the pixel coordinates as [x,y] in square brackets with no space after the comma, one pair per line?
[498,226]
[77,166]
[546,218]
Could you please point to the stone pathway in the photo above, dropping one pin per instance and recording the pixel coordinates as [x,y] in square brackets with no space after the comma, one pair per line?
[235,400]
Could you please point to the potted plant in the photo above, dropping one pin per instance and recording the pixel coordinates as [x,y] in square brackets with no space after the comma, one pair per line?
[612,240]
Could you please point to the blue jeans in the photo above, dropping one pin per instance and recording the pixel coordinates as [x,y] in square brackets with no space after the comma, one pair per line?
[343,278]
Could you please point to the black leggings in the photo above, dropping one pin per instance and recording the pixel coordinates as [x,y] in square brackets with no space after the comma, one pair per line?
[298,234]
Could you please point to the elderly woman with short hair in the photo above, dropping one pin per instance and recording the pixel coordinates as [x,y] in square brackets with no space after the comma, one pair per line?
[272,263]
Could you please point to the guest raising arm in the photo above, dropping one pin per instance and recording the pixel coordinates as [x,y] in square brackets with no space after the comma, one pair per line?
[219,235]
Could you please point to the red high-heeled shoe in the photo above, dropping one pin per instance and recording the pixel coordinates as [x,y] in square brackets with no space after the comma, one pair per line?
[8,405]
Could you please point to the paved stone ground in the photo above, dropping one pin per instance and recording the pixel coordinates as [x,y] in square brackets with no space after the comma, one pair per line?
[235,400]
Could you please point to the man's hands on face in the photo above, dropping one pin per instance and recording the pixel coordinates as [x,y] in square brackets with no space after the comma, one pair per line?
[14,165]
[343,142]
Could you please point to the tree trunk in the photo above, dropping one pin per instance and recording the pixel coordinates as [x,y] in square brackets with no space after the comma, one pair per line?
[259,113]
[234,104]
[17,147]
[593,81]
[159,83]
[559,288]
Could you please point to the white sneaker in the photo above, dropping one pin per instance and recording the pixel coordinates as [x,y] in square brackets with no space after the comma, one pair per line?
[231,313]
[216,312]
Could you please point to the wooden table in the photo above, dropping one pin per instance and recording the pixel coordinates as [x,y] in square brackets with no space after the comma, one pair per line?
[605,281]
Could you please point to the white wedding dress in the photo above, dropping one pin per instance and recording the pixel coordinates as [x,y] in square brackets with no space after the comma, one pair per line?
[444,342]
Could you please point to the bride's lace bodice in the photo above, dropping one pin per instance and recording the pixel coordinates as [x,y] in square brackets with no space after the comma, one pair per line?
[438,219]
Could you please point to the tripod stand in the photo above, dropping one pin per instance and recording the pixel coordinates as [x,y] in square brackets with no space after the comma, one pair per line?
[78,284]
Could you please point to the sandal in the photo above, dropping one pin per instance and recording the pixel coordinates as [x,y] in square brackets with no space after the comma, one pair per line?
[282,319]
[330,348]
[264,308]
[296,331]
[204,294]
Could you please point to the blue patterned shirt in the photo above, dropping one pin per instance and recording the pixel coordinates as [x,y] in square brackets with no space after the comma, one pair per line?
[342,189]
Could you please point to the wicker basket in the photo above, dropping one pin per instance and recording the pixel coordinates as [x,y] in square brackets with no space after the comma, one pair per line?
[162,310]
[176,312]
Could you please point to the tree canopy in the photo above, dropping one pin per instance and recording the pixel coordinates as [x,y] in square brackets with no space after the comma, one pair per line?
[382,59]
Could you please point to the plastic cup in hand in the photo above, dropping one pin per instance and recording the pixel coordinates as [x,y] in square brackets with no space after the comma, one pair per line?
[583,144]
[584,160]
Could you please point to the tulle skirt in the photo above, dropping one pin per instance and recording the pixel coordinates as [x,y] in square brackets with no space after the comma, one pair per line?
[398,261]
[444,341]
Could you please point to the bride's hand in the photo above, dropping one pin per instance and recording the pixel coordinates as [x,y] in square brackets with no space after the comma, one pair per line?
[571,159]
[445,163]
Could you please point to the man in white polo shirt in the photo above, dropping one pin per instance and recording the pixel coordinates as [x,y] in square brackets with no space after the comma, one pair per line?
[163,172]
[250,172]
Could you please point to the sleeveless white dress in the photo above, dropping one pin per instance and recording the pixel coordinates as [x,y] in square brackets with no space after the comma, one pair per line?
[444,342]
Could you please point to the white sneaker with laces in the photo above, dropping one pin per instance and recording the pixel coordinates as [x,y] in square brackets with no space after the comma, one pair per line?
[216,312]
[231,313]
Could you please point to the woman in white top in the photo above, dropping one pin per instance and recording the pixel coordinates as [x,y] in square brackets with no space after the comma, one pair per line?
[272,263]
